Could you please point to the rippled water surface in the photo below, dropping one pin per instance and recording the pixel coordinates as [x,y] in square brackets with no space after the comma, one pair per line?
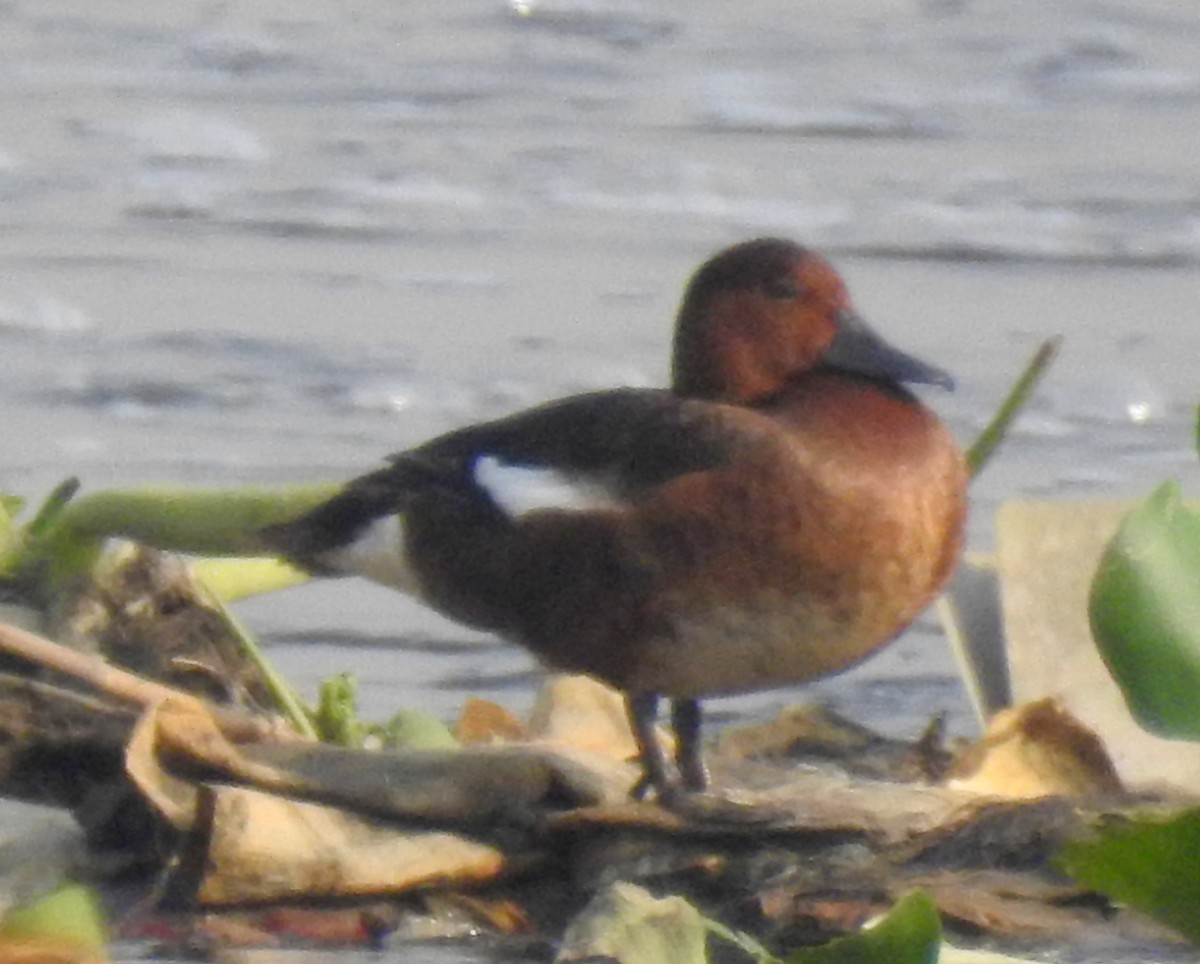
[273,242]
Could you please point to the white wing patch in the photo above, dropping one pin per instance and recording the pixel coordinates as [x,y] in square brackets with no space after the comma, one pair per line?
[378,554]
[519,489]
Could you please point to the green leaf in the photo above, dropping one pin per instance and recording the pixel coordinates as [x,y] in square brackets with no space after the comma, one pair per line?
[336,721]
[911,933]
[336,716]
[1149,863]
[24,547]
[1145,613]
[69,913]
[49,510]
[414,730]
[985,446]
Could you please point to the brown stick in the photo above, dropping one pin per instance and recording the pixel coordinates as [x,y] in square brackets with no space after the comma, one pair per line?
[119,684]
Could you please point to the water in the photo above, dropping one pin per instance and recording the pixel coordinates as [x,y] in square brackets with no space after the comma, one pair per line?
[265,244]
[274,242]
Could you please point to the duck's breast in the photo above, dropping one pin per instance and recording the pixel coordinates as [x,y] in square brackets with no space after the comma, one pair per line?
[803,556]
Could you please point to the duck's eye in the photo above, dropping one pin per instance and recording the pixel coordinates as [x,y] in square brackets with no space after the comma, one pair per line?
[782,289]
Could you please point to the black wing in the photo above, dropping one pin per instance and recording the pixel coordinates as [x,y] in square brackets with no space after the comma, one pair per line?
[628,440]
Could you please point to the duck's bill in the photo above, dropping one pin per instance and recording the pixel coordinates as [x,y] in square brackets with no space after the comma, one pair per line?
[858,349]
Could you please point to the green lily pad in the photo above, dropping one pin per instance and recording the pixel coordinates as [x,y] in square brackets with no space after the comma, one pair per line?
[1149,863]
[1145,613]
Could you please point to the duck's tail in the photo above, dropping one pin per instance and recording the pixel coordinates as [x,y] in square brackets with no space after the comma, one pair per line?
[357,532]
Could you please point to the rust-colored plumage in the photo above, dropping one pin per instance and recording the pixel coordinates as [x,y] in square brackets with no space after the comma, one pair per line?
[782,511]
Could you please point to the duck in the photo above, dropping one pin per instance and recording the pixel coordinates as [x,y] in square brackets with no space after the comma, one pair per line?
[778,513]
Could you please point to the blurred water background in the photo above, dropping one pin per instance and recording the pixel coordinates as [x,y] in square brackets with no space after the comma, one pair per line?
[273,242]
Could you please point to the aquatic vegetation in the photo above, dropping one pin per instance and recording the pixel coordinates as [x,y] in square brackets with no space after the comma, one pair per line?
[1145,617]
[66,924]
[1145,613]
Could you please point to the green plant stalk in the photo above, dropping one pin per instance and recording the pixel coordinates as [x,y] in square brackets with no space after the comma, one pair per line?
[742,941]
[208,523]
[286,699]
[988,441]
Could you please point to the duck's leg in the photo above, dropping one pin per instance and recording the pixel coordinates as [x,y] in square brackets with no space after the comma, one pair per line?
[687,796]
[686,720]
[643,714]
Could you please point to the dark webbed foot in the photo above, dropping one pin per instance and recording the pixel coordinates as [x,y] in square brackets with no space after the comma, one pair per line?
[689,775]
[643,714]
[686,793]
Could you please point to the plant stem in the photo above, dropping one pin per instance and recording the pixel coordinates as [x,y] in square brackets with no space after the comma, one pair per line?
[213,523]
[984,447]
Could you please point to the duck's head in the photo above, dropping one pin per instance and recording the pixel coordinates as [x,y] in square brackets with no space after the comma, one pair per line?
[765,312]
